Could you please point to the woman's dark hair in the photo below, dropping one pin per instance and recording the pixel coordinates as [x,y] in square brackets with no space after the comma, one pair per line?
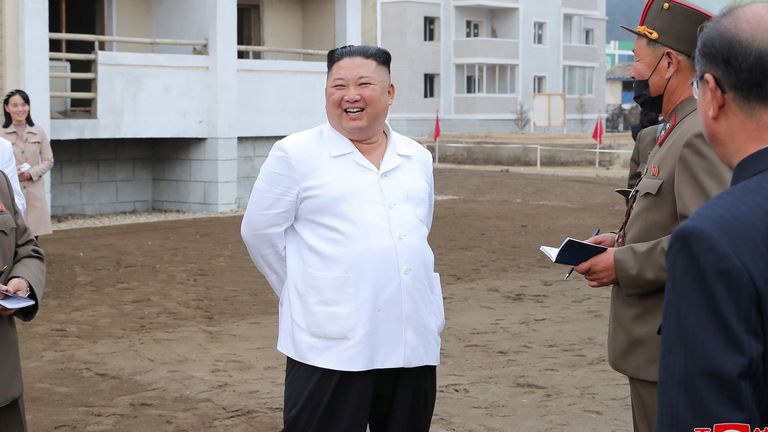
[381,56]
[8,96]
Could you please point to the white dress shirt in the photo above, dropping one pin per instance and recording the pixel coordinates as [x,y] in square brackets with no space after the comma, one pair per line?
[344,246]
[8,165]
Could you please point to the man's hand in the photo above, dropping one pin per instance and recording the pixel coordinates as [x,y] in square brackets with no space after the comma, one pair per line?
[600,270]
[18,286]
[607,240]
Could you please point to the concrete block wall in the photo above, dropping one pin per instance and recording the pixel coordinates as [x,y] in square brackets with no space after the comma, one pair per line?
[195,175]
[101,176]
[251,153]
[126,175]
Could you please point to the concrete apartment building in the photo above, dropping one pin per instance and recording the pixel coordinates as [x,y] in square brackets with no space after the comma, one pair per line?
[474,61]
[170,104]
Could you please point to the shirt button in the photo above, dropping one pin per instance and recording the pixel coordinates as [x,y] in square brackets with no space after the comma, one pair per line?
[407,271]
[392,205]
[402,236]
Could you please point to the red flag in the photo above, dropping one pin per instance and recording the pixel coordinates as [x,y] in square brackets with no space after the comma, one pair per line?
[597,133]
[437,126]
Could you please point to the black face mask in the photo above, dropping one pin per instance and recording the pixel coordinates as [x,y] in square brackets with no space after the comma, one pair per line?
[642,90]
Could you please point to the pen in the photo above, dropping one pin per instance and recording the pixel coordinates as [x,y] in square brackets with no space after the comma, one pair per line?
[567,275]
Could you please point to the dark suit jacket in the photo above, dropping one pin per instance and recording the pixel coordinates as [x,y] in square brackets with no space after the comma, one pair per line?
[714,358]
[19,250]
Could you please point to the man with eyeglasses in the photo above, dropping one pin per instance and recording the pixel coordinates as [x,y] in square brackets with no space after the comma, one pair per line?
[714,361]
[682,173]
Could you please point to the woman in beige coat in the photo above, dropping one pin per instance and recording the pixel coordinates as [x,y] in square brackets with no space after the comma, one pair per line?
[34,158]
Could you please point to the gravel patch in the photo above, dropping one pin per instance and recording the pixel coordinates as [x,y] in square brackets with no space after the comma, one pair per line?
[89,221]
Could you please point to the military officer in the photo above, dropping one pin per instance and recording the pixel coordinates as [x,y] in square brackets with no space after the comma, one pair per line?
[682,173]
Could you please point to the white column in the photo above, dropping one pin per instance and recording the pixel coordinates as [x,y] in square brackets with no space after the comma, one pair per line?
[220,150]
[348,22]
[31,74]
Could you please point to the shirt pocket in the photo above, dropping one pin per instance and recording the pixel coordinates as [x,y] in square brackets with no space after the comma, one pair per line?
[7,224]
[649,185]
[324,308]
[32,150]
[439,307]
[418,199]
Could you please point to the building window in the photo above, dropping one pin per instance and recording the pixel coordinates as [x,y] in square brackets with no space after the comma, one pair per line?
[589,36]
[249,28]
[430,86]
[539,29]
[539,84]
[473,29]
[485,79]
[575,33]
[572,29]
[430,29]
[579,80]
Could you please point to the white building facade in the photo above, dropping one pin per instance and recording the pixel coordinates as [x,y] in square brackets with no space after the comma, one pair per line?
[170,104]
[475,61]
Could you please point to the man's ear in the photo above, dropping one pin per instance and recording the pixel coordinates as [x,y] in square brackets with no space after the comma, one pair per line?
[714,95]
[672,62]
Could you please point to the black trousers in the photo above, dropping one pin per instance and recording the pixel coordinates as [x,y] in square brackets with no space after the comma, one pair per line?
[386,400]
[12,417]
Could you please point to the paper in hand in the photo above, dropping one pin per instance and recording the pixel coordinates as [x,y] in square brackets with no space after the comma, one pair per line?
[13,301]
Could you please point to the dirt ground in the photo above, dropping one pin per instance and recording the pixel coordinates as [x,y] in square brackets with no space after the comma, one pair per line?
[167,326]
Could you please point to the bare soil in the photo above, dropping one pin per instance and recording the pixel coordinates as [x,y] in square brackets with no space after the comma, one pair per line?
[167,326]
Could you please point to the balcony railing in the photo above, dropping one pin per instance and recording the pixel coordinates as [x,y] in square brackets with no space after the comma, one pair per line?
[62,75]
[254,52]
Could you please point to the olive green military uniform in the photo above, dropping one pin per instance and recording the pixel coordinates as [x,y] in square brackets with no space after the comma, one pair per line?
[681,174]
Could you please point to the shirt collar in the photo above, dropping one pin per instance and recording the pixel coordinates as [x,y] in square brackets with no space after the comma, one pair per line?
[682,110]
[750,166]
[339,145]
[12,129]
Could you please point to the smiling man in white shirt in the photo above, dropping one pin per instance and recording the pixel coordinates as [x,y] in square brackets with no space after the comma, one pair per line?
[338,223]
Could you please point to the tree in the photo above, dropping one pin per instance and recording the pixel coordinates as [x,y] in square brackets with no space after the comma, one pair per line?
[581,108]
[522,119]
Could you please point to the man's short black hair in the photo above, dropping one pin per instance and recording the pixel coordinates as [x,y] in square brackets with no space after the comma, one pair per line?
[381,56]
[736,56]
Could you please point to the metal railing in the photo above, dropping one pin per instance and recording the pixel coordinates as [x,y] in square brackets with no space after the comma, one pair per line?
[300,52]
[199,47]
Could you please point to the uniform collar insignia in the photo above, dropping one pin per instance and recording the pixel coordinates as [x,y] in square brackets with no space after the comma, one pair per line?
[665,131]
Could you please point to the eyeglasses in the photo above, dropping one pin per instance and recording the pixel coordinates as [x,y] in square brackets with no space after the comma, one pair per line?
[695,84]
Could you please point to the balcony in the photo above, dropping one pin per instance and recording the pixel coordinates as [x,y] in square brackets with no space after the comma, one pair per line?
[582,53]
[502,50]
[158,95]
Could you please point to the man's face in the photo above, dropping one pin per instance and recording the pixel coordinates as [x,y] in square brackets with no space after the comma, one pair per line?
[357,98]
[646,59]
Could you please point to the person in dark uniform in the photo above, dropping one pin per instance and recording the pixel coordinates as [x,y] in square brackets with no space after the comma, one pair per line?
[714,338]
[683,172]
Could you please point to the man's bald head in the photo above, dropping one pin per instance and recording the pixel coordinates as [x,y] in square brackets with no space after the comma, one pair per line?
[733,47]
